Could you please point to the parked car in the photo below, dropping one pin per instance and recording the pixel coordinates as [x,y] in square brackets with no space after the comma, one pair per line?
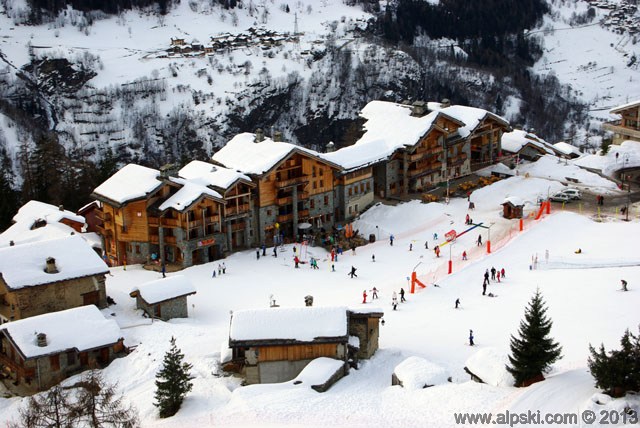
[572,193]
[560,197]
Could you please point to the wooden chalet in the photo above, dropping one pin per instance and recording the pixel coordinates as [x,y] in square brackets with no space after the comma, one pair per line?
[38,214]
[293,185]
[164,298]
[90,212]
[39,352]
[627,127]
[526,145]
[48,276]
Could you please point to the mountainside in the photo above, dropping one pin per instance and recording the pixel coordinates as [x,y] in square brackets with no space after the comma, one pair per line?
[84,92]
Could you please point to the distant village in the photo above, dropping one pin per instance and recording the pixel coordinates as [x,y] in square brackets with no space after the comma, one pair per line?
[255,192]
[622,16]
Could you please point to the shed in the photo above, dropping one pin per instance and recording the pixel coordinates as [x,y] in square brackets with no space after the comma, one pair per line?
[275,344]
[512,207]
[164,298]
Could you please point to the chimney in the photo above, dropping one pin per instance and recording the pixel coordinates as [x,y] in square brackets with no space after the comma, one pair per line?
[277,136]
[166,170]
[445,103]
[41,340]
[330,147]
[259,135]
[51,265]
[418,108]
[61,207]
[11,243]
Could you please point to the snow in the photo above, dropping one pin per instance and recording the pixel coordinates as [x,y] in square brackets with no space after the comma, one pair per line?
[242,153]
[567,149]
[159,290]
[187,195]
[471,117]
[36,210]
[23,265]
[583,303]
[623,107]
[416,373]
[211,175]
[82,329]
[21,233]
[301,324]
[489,364]
[514,141]
[318,371]
[130,182]
[514,200]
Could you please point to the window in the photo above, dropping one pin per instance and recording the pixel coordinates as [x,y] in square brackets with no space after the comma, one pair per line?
[361,187]
[368,186]
[71,358]
[321,183]
[326,200]
[350,191]
[349,210]
[321,171]
[315,184]
[268,212]
[313,171]
[312,204]
[137,248]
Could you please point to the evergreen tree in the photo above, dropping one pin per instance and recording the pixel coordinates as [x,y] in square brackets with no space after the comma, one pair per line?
[173,381]
[619,371]
[534,351]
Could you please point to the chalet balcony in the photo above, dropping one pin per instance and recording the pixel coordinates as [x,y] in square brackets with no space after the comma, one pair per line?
[154,239]
[292,182]
[105,217]
[103,232]
[238,226]
[303,214]
[618,129]
[457,160]
[288,200]
[284,218]
[233,210]
[426,153]
[428,169]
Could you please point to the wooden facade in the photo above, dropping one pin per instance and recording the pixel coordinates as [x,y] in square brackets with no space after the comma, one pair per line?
[628,126]
[485,139]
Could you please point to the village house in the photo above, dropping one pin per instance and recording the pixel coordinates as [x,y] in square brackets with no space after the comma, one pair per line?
[525,145]
[39,352]
[90,213]
[151,216]
[627,127]
[36,221]
[275,344]
[48,276]
[236,190]
[512,207]
[164,298]
[293,184]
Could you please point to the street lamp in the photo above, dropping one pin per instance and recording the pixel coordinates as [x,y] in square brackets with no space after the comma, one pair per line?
[625,164]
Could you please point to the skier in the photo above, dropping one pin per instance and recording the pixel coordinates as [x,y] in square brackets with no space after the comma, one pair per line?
[502,272]
[257,254]
[624,285]
[333,267]
[333,253]
[391,238]
[457,302]
[219,269]
[498,275]
[484,288]
[467,219]
[164,270]
[296,260]
[437,250]
[275,252]
[435,236]
[493,273]
[373,257]
[394,301]
[353,250]
[479,240]
[264,250]
[214,273]
[402,299]
[426,245]
[471,338]
[464,255]
[410,247]
[486,275]
[353,272]
[374,294]
[224,268]
[364,296]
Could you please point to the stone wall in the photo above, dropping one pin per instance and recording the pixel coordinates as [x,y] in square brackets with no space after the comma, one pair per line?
[174,308]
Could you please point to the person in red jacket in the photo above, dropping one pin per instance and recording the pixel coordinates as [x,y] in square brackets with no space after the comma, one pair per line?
[296,260]
[364,296]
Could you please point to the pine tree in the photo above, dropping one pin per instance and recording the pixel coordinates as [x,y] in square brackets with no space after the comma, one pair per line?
[173,381]
[534,351]
[619,371]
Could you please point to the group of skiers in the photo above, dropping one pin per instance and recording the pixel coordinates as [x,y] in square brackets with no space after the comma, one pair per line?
[222,269]
[494,274]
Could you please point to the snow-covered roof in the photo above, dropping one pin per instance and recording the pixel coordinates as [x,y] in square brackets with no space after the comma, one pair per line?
[95,203]
[471,117]
[416,373]
[389,127]
[366,310]
[36,210]
[242,153]
[514,200]
[187,195]
[515,140]
[24,265]
[566,148]
[165,289]
[501,168]
[489,365]
[211,175]
[318,371]
[21,233]
[129,183]
[82,328]
[618,109]
[292,324]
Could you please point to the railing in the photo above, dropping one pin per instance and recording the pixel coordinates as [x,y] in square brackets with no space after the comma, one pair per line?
[303,213]
[284,218]
[231,210]
[291,181]
[154,239]
[426,152]
[170,222]
[238,226]
[284,201]
[105,217]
